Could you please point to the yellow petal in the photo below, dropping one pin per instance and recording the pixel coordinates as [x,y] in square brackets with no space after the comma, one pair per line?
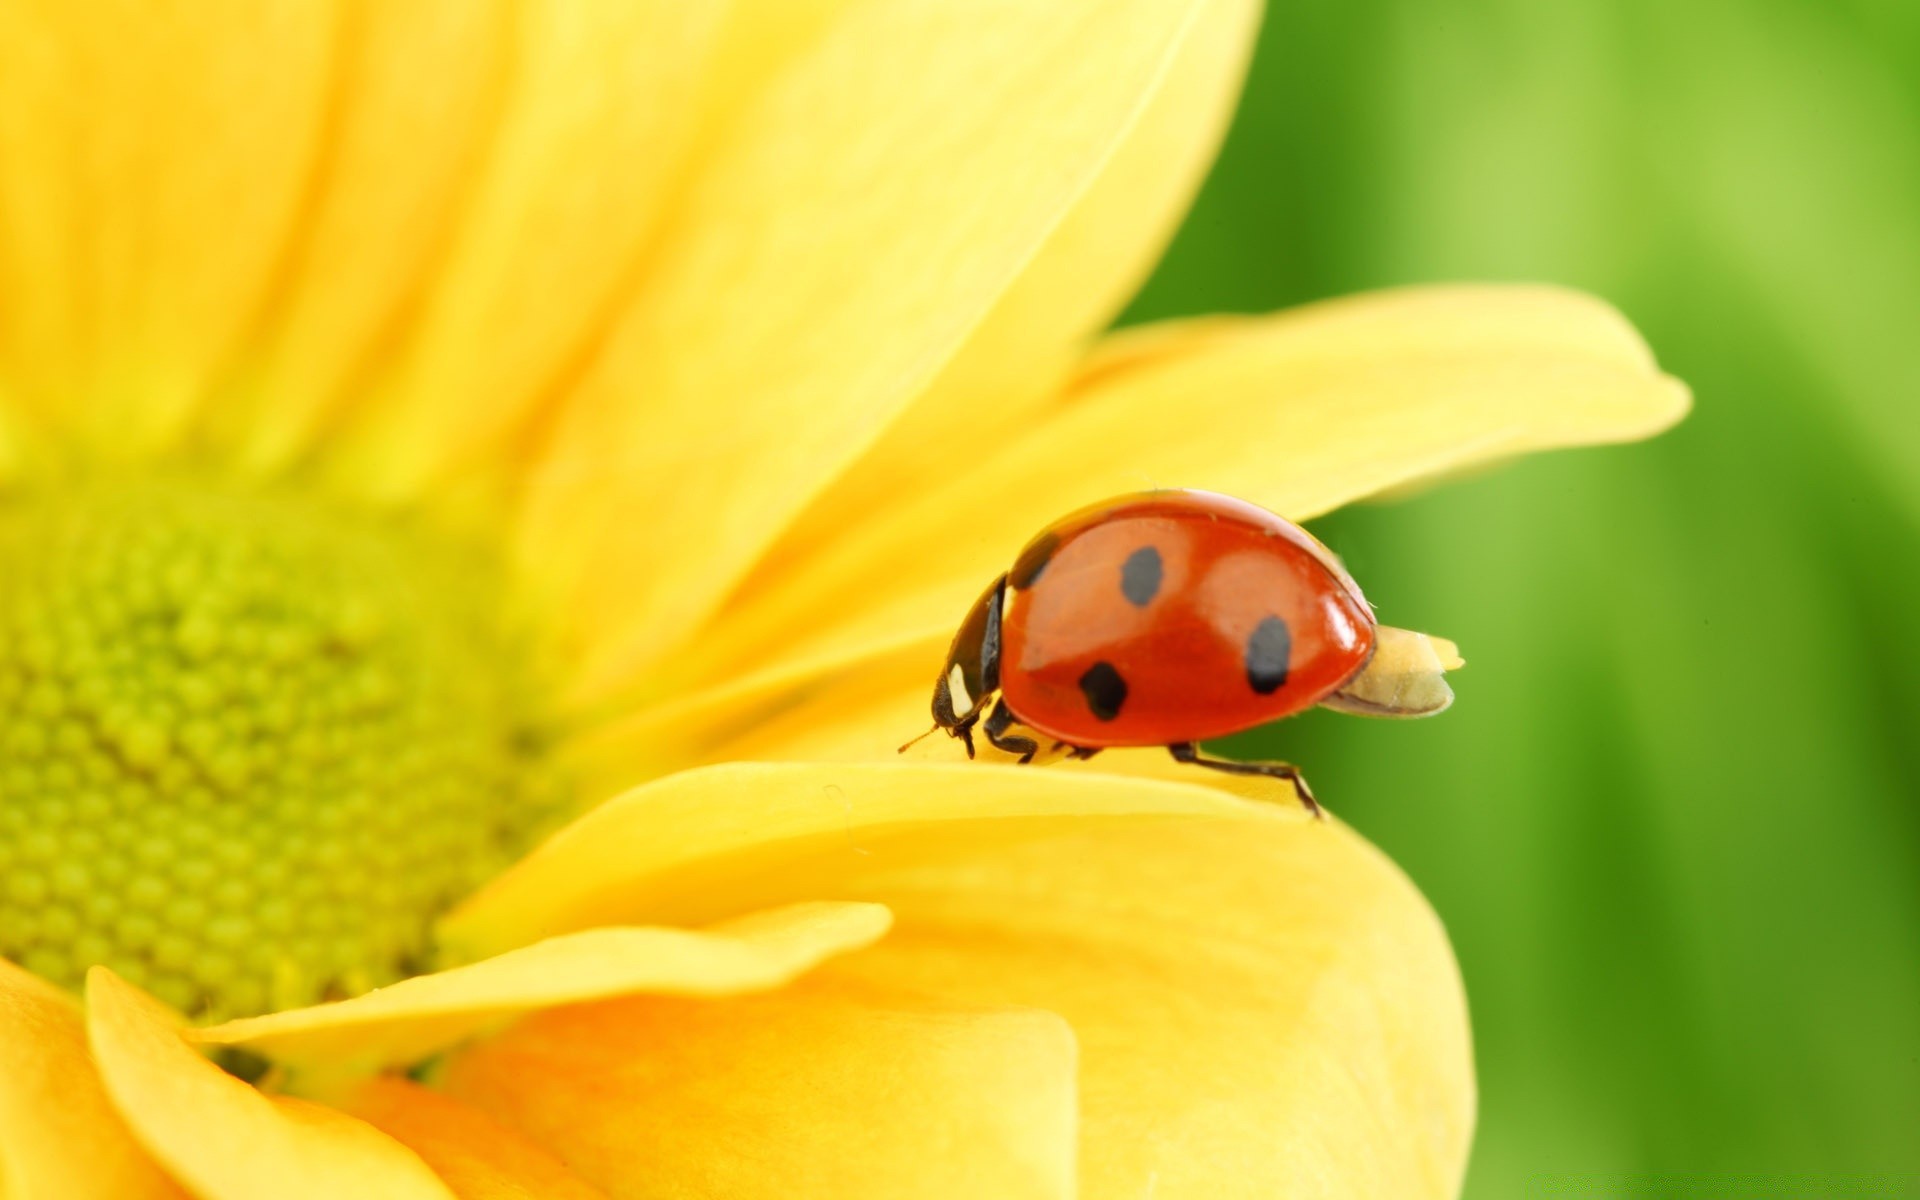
[595,127]
[220,1137]
[1090,266]
[807,710]
[701,845]
[1277,1009]
[384,197]
[409,1020]
[1307,410]
[861,712]
[1299,412]
[831,1092]
[59,1136]
[1263,1009]
[761,37]
[477,1157]
[153,163]
[833,254]
[14,448]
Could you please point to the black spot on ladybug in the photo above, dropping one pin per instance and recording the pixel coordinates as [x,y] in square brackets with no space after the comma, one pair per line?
[1267,653]
[1140,576]
[1104,689]
[1033,560]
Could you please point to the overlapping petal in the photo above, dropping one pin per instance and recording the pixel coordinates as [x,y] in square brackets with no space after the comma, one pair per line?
[405,1022]
[217,1135]
[1266,1007]
[1030,342]
[828,1090]
[808,295]
[59,1135]
[701,845]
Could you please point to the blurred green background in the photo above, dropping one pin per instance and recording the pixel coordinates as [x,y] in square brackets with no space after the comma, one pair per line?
[1674,821]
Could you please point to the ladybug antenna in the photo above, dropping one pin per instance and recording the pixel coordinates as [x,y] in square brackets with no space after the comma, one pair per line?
[929,733]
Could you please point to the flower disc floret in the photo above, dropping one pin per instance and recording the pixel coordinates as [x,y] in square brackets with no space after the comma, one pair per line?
[251,744]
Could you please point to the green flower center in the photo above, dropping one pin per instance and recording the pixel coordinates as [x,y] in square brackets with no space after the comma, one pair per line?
[250,744]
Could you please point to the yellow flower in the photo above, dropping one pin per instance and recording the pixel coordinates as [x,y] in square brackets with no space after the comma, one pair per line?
[421,422]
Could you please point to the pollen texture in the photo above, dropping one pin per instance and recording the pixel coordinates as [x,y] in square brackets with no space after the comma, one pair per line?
[250,745]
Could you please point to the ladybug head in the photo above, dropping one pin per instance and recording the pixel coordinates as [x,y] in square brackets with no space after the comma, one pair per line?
[971,674]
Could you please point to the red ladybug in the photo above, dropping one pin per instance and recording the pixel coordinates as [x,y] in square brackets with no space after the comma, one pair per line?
[1168,618]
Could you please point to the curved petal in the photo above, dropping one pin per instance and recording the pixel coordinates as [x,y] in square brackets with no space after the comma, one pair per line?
[59,1136]
[407,1021]
[220,1137]
[1267,1010]
[153,161]
[1027,346]
[476,1156]
[1299,412]
[831,256]
[597,123]
[701,845]
[836,1092]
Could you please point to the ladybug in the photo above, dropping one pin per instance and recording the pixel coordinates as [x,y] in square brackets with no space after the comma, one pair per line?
[1168,618]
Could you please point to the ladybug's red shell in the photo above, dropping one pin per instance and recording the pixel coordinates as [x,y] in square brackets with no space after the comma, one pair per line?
[1175,616]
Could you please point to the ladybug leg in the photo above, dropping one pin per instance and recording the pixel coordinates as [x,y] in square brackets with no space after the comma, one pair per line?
[1083,753]
[1187,752]
[998,722]
[964,731]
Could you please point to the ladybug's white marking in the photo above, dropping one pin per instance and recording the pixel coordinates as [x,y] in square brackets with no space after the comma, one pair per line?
[957,690]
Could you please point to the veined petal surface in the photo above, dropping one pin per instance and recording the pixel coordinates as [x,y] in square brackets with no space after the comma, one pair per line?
[222,1139]
[829,1091]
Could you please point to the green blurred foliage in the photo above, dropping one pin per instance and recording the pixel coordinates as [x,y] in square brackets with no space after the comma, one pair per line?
[1673,822]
